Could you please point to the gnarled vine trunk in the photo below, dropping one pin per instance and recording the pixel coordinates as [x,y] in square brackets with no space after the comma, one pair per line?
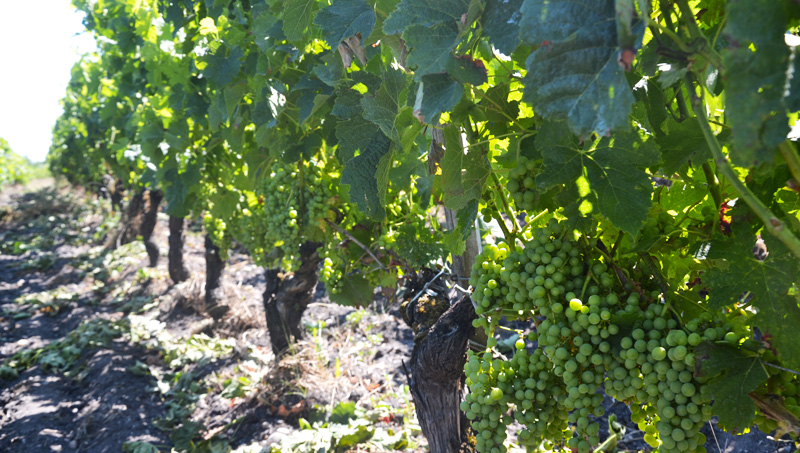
[176,266]
[214,267]
[436,370]
[130,225]
[149,224]
[287,296]
[435,378]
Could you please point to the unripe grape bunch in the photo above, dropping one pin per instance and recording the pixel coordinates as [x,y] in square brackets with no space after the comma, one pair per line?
[592,337]
[289,209]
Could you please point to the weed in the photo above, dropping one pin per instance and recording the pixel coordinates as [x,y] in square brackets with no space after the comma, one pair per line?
[50,302]
[62,355]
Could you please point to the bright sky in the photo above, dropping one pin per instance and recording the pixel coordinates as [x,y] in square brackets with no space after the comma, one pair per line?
[38,46]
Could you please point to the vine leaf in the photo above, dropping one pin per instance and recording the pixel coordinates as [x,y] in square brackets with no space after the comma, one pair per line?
[180,186]
[424,12]
[768,281]
[437,93]
[574,74]
[353,135]
[262,25]
[430,30]
[382,108]
[360,174]
[354,290]
[297,16]
[463,175]
[614,169]
[759,120]
[347,103]
[455,241]
[501,24]
[223,65]
[732,376]
[431,48]
[684,141]
[466,70]
[346,18]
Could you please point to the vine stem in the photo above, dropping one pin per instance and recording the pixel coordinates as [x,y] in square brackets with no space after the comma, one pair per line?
[510,238]
[506,205]
[781,368]
[496,137]
[356,241]
[651,263]
[774,225]
[697,35]
[789,152]
[713,184]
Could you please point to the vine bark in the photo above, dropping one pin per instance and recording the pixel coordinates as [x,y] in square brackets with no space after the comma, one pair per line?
[287,296]
[176,266]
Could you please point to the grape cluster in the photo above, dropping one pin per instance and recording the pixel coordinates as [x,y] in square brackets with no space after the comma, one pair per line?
[514,282]
[655,371]
[786,384]
[589,339]
[521,184]
[288,210]
[218,230]
[331,274]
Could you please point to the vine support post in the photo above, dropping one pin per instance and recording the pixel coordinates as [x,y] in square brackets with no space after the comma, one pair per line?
[436,369]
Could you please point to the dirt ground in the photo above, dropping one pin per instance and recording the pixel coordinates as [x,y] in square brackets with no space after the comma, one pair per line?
[102,354]
[120,390]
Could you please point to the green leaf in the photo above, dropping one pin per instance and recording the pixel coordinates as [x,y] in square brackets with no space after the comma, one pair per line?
[613,168]
[758,120]
[224,203]
[297,16]
[354,290]
[354,134]
[419,249]
[179,187]
[352,438]
[139,447]
[769,282]
[683,142]
[732,376]
[217,112]
[463,175]
[360,174]
[424,12]
[343,412]
[234,95]
[382,108]
[431,49]
[574,74]
[262,25]
[344,18]
[466,70]
[223,65]
[437,93]
[501,24]
[650,109]
[347,104]
[455,241]
[330,72]
[498,110]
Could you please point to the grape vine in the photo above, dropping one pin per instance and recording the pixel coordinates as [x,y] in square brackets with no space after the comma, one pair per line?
[623,162]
